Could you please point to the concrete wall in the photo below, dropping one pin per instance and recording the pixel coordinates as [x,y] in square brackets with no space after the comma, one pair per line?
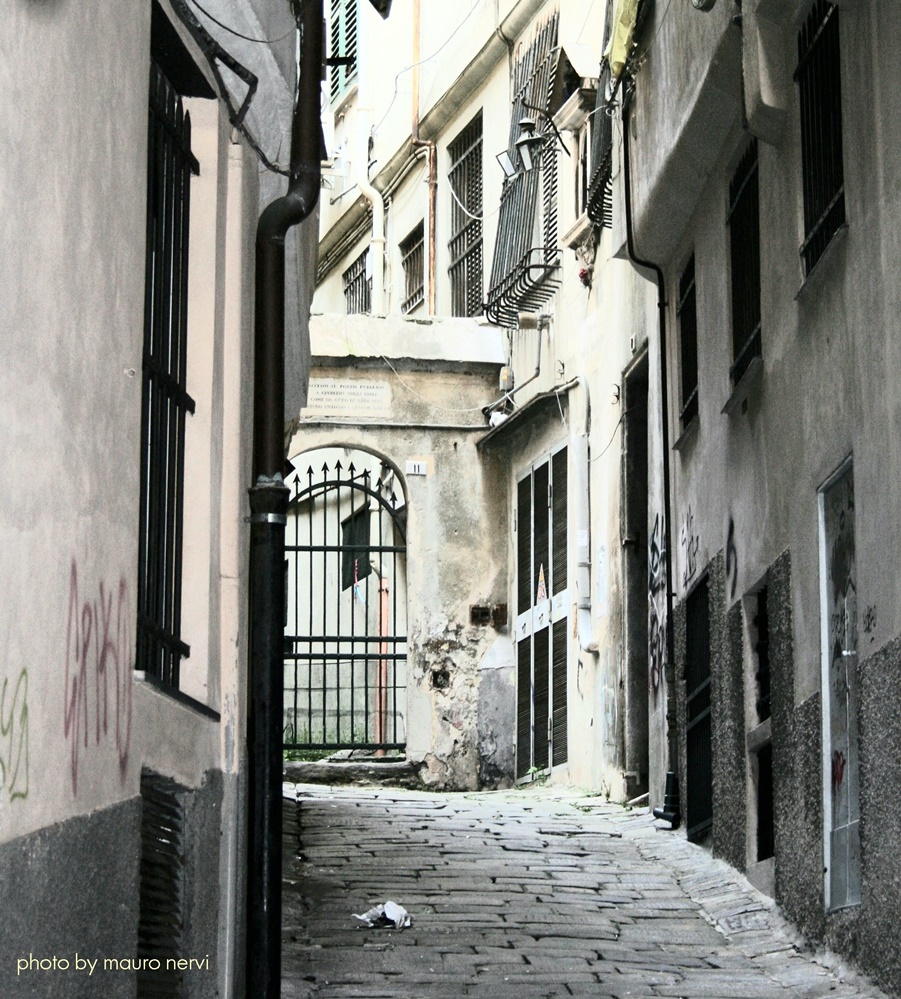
[747,483]
[78,725]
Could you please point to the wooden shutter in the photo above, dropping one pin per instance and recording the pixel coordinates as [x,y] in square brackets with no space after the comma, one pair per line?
[559,731]
[542,682]
[558,521]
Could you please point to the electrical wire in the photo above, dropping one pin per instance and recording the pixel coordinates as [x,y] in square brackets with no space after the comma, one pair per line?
[466,211]
[237,34]
[422,62]
[622,416]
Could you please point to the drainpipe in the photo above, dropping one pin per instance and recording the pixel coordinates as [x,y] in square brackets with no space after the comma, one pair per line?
[268,505]
[432,151]
[582,466]
[381,679]
[376,201]
[664,405]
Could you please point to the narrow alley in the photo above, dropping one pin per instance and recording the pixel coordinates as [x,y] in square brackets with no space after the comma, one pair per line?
[527,894]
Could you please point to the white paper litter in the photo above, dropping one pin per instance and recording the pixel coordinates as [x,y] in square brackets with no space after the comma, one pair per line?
[389,914]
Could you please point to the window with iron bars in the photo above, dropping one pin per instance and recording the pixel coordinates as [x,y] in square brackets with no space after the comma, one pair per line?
[465,181]
[358,286]
[744,240]
[687,312]
[165,400]
[819,85]
[412,260]
[343,27]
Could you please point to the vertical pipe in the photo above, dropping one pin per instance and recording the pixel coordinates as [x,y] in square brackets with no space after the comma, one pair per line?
[432,150]
[268,518]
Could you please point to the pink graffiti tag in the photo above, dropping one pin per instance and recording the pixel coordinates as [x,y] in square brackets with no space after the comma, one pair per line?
[99,652]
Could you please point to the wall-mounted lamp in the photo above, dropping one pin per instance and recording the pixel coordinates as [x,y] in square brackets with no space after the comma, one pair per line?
[526,148]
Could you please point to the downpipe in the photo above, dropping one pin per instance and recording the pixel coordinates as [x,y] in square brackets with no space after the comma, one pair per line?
[582,468]
[268,518]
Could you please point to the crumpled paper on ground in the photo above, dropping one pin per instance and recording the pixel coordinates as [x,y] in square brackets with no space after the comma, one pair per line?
[389,914]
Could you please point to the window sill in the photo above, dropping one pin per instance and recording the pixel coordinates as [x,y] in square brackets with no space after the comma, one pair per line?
[178,696]
[815,277]
[339,106]
[574,237]
[688,435]
[744,386]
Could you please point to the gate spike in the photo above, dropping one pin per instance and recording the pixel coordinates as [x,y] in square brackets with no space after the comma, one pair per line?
[351,469]
[378,484]
[324,469]
[338,469]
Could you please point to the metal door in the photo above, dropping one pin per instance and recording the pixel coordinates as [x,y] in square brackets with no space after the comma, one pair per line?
[345,636]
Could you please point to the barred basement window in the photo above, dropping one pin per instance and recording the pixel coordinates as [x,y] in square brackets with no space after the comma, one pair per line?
[165,400]
[162,885]
[819,84]
[744,235]
[465,180]
[687,312]
[343,38]
[358,286]
[412,259]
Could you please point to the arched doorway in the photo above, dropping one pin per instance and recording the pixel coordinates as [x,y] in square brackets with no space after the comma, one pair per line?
[345,634]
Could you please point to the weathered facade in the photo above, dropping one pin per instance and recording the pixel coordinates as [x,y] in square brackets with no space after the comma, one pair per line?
[419,221]
[126,316]
[762,184]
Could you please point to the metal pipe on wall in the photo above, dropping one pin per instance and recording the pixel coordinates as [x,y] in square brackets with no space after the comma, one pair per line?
[432,151]
[268,505]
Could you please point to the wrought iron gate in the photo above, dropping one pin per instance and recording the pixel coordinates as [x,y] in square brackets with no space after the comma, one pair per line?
[345,641]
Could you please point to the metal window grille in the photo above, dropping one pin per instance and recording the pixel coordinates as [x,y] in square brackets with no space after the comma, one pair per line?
[525,268]
[744,237]
[358,286]
[819,84]
[165,400]
[343,38]
[465,179]
[412,259]
[699,744]
[687,312]
[600,190]
[583,168]
[161,919]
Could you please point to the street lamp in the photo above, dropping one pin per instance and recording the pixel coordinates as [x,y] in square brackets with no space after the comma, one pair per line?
[526,148]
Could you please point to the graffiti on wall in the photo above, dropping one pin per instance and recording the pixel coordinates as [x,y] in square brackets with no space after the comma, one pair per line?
[690,543]
[14,737]
[731,560]
[98,677]
[657,623]
[869,620]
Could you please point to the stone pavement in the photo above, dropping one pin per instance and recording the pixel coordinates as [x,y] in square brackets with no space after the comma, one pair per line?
[525,894]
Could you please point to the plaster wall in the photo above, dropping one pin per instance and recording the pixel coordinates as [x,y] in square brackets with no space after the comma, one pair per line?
[746,481]
[457,721]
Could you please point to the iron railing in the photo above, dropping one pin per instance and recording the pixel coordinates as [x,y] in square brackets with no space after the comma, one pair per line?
[165,400]
[819,84]
[744,240]
[412,259]
[465,245]
[525,269]
[345,642]
[699,743]
[358,287]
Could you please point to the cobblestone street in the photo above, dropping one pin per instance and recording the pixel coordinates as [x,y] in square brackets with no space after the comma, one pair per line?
[525,894]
